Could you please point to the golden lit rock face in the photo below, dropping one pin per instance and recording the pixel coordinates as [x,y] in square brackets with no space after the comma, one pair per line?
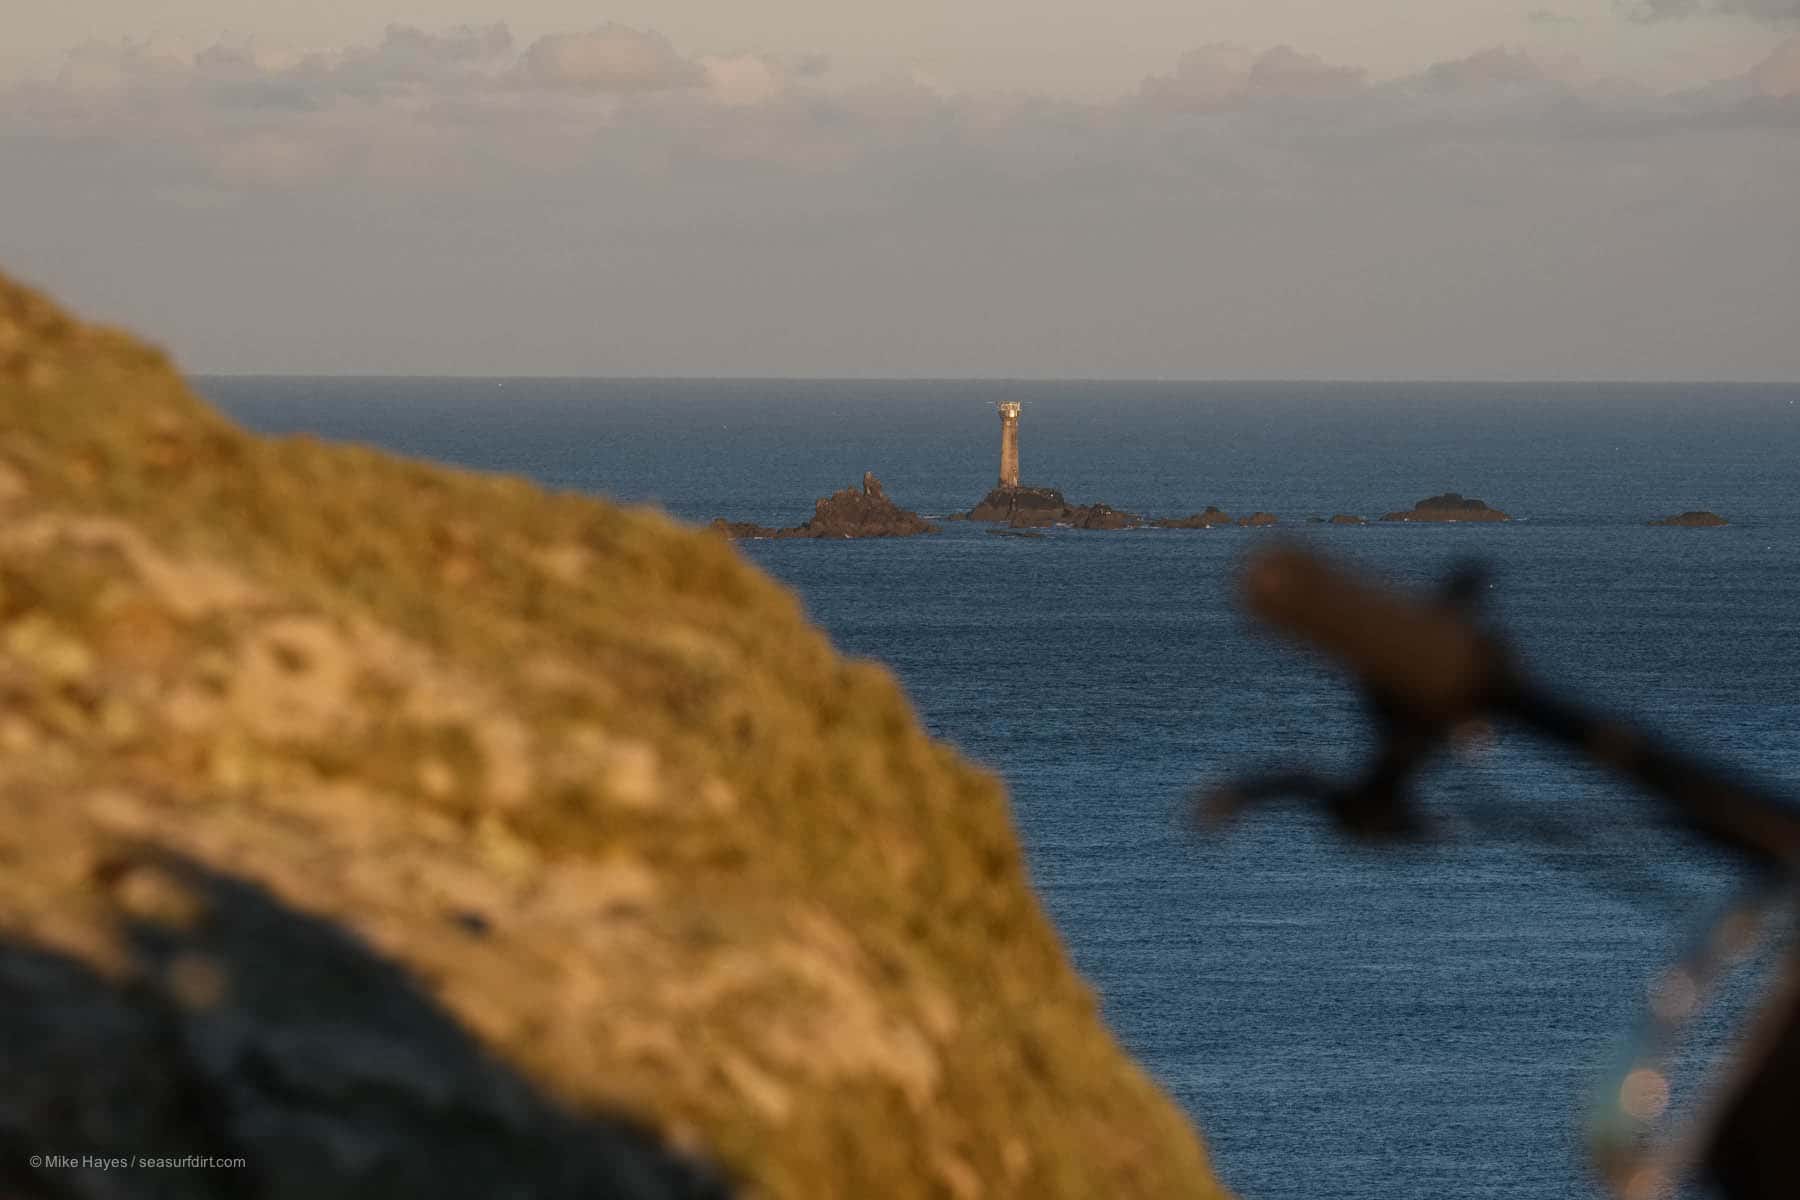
[428,809]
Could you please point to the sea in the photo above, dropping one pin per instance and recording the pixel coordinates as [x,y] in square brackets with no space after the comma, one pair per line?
[1340,1020]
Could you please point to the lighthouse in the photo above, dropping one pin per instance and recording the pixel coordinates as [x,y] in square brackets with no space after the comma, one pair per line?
[1009,443]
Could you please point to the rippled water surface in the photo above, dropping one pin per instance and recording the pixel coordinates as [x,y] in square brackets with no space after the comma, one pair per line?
[1341,1023]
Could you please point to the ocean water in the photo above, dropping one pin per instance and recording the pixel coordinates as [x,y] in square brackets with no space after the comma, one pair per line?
[1339,1021]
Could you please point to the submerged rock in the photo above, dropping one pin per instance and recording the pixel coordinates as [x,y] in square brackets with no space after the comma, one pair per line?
[850,513]
[1451,506]
[409,831]
[1699,519]
[1200,520]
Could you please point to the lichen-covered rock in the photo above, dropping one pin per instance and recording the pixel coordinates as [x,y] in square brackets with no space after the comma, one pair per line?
[405,831]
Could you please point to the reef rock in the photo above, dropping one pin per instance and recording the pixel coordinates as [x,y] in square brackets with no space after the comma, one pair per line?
[1700,519]
[850,513]
[1448,507]
[1258,519]
[1347,519]
[742,530]
[864,513]
[1040,507]
[1102,516]
[1200,520]
[1021,507]
[407,831]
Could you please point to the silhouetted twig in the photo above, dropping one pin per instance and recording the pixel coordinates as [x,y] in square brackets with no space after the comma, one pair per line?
[1427,670]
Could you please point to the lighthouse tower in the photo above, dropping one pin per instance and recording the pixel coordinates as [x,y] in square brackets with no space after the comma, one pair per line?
[1009,443]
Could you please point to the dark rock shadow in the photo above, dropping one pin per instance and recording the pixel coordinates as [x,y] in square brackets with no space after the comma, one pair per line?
[248,1029]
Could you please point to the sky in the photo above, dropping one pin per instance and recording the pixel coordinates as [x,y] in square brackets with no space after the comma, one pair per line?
[1216,189]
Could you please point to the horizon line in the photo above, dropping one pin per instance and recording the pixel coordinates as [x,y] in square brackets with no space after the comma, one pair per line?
[1244,381]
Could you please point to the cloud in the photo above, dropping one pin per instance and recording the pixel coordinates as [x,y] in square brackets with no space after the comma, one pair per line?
[742,80]
[746,80]
[408,48]
[1498,67]
[606,202]
[403,60]
[97,66]
[1285,73]
[470,104]
[1777,77]
[413,103]
[1220,77]
[614,58]
[1774,12]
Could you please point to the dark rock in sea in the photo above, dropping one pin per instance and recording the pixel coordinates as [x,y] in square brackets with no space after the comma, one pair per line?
[1035,518]
[1200,520]
[1698,520]
[1016,533]
[1450,506]
[1041,507]
[1102,516]
[1348,519]
[1257,519]
[743,530]
[864,513]
[1020,506]
[850,513]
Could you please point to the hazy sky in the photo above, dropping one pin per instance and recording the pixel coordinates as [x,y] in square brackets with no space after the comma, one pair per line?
[1227,189]
[1067,47]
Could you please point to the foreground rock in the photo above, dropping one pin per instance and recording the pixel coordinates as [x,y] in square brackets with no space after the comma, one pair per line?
[1200,520]
[1448,507]
[1700,519]
[850,513]
[1040,507]
[411,832]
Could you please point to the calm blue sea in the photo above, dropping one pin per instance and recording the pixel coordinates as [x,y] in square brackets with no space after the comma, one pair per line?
[1340,1022]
